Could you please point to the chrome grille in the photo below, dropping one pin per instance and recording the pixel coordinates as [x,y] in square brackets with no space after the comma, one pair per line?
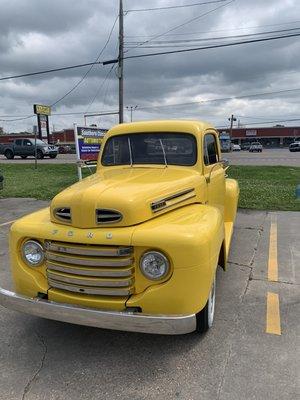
[90,269]
[104,216]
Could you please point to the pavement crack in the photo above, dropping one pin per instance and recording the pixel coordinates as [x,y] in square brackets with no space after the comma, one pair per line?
[224,373]
[40,367]
[276,282]
[259,236]
[239,264]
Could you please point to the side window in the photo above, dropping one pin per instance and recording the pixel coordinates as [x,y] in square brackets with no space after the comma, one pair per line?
[18,142]
[27,142]
[211,155]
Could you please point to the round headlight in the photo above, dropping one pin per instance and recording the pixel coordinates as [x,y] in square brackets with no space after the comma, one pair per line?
[154,265]
[33,253]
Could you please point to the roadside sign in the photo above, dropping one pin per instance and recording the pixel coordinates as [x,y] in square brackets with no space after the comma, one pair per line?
[42,112]
[88,143]
[41,109]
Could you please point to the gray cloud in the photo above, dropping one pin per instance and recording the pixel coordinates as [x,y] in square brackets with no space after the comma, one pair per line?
[43,34]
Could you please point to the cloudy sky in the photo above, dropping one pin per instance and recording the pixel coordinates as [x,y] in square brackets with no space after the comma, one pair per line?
[43,34]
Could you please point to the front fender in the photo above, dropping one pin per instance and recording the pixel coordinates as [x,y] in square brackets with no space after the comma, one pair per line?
[191,237]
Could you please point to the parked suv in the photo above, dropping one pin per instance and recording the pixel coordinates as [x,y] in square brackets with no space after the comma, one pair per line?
[255,146]
[294,146]
[26,147]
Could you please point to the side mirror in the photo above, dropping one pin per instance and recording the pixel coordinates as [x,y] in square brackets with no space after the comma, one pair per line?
[224,163]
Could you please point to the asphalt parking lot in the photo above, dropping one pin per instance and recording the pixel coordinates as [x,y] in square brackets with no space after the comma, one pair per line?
[267,157]
[252,351]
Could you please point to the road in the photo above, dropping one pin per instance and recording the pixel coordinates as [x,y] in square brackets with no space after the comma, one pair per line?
[267,157]
[236,360]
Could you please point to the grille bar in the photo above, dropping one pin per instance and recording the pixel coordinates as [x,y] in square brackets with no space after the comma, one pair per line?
[90,290]
[77,280]
[106,273]
[69,248]
[96,262]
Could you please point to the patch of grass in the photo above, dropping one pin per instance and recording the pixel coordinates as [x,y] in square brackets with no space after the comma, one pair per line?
[267,187]
[262,188]
[43,183]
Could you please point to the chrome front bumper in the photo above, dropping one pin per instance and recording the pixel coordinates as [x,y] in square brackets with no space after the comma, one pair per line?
[123,321]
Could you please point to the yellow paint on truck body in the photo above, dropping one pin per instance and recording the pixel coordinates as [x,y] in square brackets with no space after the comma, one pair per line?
[194,234]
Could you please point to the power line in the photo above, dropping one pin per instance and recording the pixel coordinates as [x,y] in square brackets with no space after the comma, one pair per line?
[172,7]
[262,123]
[47,71]
[217,30]
[165,42]
[183,24]
[91,67]
[114,61]
[206,47]
[221,99]
[261,94]
[17,119]
[100,87]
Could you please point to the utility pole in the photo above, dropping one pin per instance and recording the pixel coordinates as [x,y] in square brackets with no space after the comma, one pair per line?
[120,63]
[131,108]
[231,119]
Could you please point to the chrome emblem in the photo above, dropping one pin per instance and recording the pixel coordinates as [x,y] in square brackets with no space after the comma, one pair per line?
[70,233]
[55,231]
[90,235]
[109,236]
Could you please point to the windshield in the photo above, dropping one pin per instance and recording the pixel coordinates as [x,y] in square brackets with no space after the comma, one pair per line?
[40,142]
[150,148]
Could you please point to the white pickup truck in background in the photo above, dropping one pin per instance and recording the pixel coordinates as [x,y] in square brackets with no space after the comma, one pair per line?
[256,146]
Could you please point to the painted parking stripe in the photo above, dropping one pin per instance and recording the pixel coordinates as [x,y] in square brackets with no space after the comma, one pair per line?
[7,223]
[273,264]
[273,314]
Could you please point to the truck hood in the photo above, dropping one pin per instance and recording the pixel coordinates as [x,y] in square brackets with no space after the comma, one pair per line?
[126,196]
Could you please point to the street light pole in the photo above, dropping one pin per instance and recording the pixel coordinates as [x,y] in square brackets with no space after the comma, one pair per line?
[131,108]
[120,63]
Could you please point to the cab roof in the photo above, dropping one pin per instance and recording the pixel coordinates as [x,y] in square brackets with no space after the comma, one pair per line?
[194,127]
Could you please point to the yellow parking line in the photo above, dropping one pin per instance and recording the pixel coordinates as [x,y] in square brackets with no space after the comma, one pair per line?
[273,314]
[273,264]
[7,223]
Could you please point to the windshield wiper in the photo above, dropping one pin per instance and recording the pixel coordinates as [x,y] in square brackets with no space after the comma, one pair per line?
[164,153]
[130,152]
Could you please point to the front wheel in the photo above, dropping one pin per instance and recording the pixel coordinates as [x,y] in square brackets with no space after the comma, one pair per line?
[9,154]
[205,317]
[53,155]
[39,155]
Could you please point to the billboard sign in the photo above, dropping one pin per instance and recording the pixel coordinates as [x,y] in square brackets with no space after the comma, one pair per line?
[88,141]
[251,132]
[41,109]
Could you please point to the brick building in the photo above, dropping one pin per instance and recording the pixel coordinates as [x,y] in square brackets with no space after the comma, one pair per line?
[277,136]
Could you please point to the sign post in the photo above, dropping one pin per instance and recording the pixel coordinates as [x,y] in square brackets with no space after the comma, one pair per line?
[42,113]
[88,143]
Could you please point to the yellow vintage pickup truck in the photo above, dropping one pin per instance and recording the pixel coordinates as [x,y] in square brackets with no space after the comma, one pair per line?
[136,245]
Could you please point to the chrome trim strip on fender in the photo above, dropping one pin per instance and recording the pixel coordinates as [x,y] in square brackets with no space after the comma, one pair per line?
[123,321]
